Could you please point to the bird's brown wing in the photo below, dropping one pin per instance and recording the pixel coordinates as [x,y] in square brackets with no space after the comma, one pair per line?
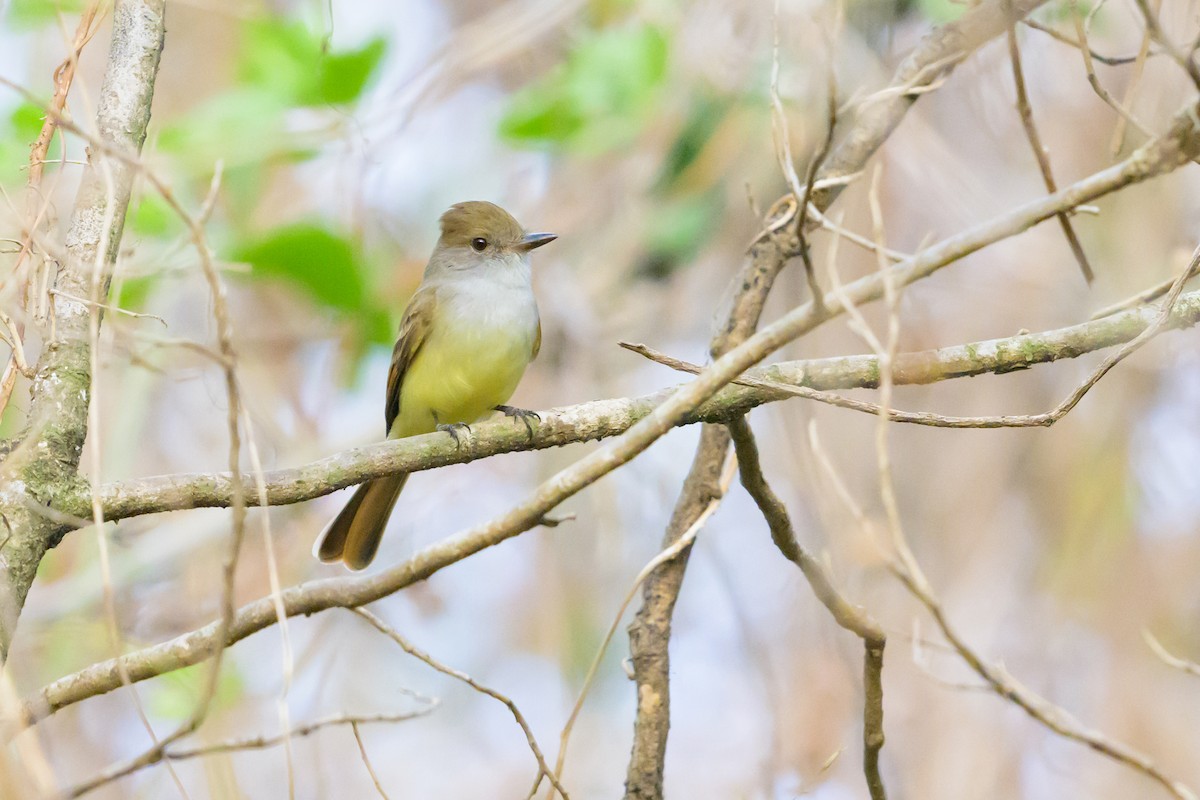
[414,329]
[537,341]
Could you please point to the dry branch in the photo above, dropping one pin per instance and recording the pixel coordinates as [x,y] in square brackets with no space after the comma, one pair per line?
[934,58]
[846,614]
[1039,150]
[418,653]
[650,631]
[306,729]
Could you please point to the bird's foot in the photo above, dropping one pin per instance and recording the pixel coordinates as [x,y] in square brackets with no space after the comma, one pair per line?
[454,429]
[523,414]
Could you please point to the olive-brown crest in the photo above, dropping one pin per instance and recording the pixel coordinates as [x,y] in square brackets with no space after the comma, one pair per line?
[465,222]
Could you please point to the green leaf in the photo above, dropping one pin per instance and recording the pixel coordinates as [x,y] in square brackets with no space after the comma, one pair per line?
[341,77]
[324,264]
[26,120]
[287,59]
[17,133]
[152,217]
[278,55]
[240,126]
[35,13]
[132,293]
[678,229]
[706,114]
[327,267]
[599,99]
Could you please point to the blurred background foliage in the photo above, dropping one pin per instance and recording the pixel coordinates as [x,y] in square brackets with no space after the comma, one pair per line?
[323,139]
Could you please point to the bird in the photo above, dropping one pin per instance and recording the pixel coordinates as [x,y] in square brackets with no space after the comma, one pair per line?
[466,337]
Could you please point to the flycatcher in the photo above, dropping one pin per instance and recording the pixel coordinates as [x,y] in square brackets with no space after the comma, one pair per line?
[466,337]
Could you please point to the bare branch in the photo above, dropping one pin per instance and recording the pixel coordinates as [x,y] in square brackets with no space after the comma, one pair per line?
[362,751]
[1078,44]
[939,53]
[1044,420]
[418,653]
[263,742]
[1154,29]
[1081,30]
[1052,716]
[849,616]
[908,570]
[650,632]
[1174,661]
[683,543]
[1039,149]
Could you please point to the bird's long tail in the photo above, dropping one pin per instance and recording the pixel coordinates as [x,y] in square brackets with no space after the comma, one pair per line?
[353,537]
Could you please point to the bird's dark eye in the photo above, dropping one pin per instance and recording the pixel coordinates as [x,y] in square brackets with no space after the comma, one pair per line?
[479,244]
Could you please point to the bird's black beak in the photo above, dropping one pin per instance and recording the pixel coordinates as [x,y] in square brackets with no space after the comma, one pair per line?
[532,241]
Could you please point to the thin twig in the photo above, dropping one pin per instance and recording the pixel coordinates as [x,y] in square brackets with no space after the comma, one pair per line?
[849,616]
[263,742]
[1124,114]
[1181,664]
[1154,29]
[63,76]
[362,751]
[783,148]
[260,485]
[13,340]
[97,285]
[1078,44]
[1039,150]
[672,551]
[416,652]
[1141,298]
[107,307]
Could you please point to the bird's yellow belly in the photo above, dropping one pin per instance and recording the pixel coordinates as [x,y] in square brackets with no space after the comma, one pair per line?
[460,376]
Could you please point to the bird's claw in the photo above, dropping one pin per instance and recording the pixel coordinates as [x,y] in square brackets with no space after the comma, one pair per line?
[453,429]
[523,414]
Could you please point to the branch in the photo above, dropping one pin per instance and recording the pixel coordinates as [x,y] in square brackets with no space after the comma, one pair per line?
[650,631]
[603,419]
[44,465]
[263,742]
[846,614]
[680,545]
[937,55]
[1039,150]
[418,653]
[1164,655]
